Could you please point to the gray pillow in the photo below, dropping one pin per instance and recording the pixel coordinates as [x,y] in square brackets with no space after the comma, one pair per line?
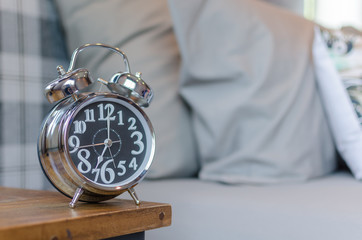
[144,32]
[248,76]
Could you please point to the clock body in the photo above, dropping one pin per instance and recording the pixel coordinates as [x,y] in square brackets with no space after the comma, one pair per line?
[102,143]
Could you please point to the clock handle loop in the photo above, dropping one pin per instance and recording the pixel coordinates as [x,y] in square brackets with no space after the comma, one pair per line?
[114,49]
[123,83]
[70,82]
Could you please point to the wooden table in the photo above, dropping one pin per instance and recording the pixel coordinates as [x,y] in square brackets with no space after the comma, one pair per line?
[29,214]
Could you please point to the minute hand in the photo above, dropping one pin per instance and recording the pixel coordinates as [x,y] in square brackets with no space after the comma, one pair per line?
[108,125]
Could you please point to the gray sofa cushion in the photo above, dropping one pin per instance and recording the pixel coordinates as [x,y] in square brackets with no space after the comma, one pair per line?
[144,32]
[249,79]
[325,208]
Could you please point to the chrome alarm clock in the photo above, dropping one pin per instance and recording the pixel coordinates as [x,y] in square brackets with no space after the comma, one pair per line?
[93,146]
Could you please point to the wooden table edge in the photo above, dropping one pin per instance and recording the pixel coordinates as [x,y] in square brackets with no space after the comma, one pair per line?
[83,222]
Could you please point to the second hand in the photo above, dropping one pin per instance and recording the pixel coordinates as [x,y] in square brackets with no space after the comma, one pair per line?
[97,144]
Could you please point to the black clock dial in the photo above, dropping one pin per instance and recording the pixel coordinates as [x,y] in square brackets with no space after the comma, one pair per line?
[107,141]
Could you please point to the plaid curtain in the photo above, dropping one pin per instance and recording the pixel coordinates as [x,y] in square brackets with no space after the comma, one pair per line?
[31,46]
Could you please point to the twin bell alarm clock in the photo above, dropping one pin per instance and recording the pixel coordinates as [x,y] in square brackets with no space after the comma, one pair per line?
[93,146]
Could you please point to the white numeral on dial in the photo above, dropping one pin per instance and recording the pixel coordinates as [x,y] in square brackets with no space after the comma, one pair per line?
[122,168]
[138,142]
[83,156]
[120,116]
[79,127]
[89,115]
[110,171]
[133,164]
[133,123]
[73,142]
[96,170]
[109,109]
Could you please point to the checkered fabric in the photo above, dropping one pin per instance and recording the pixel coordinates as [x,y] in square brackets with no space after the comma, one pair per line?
[31,46]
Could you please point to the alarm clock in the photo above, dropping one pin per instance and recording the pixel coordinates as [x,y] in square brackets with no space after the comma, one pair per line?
[92,145]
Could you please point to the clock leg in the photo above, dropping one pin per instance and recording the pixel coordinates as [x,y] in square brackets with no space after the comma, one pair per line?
[133,194]
[76,197]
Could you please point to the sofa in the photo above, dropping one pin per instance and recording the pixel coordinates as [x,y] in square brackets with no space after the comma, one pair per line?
[256,135]
[324,208]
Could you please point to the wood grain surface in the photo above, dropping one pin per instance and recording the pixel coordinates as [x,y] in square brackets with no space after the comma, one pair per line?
[30,214]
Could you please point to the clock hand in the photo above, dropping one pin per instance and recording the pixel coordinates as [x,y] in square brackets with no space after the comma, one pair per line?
[110,152]
[108,125]
[97,144]
[91,145]
[100,158]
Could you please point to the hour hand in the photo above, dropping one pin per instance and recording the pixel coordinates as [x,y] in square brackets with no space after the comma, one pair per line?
[100,158]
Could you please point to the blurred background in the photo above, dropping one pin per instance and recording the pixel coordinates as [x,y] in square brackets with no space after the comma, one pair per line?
[334,14]
[27,102]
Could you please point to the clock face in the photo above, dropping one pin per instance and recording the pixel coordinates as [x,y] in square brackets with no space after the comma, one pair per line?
[109,141]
